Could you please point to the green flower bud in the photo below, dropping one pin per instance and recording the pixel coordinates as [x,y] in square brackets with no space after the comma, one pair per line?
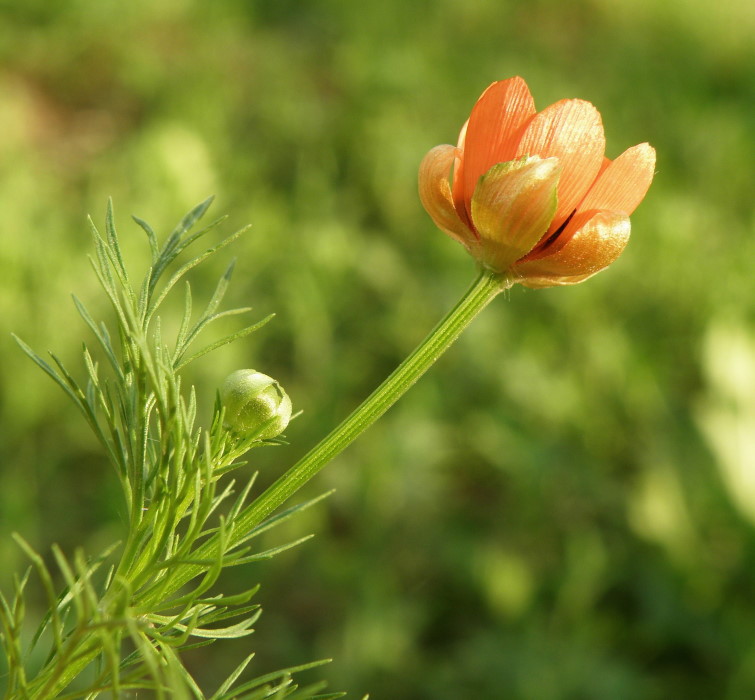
[251,399]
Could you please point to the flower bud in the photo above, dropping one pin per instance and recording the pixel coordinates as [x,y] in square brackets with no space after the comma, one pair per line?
[252,400]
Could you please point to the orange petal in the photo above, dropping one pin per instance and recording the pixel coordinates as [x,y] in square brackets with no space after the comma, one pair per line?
[624,183]
[543,282]
[597,243]
[572,131]
[494,129]
[457,187]
[435,193]
[512,207]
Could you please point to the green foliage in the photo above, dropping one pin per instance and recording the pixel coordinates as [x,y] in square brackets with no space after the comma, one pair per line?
[169,471]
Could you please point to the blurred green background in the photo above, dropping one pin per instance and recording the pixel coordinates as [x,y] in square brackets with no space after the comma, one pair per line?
[565,507]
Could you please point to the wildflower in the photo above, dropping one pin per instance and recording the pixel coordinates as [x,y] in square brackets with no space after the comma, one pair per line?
[533,197]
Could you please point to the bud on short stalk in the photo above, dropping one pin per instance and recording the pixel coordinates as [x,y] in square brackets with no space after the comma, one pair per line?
[255,403]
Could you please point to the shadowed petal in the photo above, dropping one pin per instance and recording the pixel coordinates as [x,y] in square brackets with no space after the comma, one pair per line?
[623,184]
[598,242]
[493,131]
[543,282]
[572,131]
[457,186]
[512,207]
[435,193]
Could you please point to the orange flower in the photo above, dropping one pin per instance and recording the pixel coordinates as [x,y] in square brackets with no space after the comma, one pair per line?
[533,196]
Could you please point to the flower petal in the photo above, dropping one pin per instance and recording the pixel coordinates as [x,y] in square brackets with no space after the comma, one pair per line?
[600,239]
[493,131]
[543,282]
[572,131]
[457,186]
[435,193]
[623,184]
[512,207]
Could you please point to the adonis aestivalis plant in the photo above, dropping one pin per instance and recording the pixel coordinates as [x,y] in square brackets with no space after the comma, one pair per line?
[533,195]
[534,200]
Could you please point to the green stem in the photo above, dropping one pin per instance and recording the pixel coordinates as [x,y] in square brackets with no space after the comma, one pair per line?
[483,290]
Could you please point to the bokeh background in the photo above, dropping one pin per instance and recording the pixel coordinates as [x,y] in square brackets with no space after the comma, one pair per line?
[565,507]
